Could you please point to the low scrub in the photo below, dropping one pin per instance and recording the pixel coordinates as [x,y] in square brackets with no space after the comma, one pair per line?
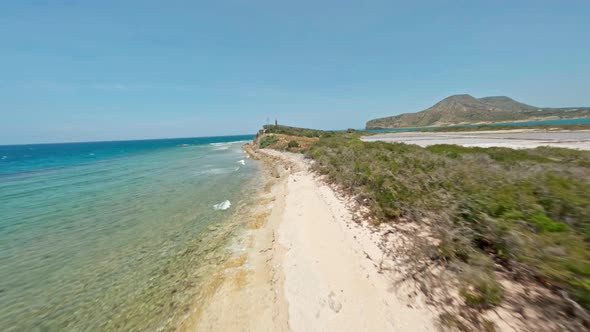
[527,210]
[292,144]
[479,288]
[267,141]
[294,131]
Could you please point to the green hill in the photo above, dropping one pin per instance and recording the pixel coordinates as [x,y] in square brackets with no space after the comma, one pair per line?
[466,109]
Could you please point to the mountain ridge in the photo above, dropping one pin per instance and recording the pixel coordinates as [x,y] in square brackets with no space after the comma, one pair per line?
[466,109]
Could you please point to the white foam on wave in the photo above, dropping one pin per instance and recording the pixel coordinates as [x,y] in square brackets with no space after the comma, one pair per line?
[220,146]
[223,205]
[226,145]
[242,162]
[216,171]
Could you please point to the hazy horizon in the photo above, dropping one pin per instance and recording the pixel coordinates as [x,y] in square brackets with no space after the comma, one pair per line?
[77,72]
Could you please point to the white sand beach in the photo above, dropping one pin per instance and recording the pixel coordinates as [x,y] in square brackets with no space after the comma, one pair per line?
[310,267]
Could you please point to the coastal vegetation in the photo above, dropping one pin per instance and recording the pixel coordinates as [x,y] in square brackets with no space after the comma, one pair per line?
[524,213]
[295,131]
[267,141]
[293,144]
[289,138]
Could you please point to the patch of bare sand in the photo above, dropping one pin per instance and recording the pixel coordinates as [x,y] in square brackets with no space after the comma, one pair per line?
[332,277]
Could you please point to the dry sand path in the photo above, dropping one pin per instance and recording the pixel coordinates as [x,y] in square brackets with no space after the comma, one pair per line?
[331,282]
[310,268]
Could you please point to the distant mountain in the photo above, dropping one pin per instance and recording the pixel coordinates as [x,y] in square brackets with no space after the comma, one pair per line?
[465,109]
[507,103]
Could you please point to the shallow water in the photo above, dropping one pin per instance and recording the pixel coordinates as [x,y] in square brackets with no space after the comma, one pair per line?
[115,237]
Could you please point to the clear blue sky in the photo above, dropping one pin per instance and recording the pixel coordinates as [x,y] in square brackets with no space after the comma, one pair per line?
[106,70]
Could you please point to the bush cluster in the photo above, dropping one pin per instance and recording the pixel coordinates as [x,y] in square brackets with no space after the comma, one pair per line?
[522,208]
[294,131]
[267,141]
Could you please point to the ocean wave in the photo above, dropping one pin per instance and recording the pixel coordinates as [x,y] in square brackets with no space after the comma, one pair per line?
[220,146]
[226,145]
[223,205]
[4,157]
[216,171]
[242,162]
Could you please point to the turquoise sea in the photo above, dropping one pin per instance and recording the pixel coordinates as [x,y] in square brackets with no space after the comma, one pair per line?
[115,236]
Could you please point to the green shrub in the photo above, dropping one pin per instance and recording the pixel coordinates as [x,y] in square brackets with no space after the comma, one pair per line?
[505,204]
[267,141]
[545,224]
[292,144]
[504,155]
[482,293]
[501,202]
[294,131]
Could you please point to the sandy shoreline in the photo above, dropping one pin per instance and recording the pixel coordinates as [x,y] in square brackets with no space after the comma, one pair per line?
[307,266]
[249,297]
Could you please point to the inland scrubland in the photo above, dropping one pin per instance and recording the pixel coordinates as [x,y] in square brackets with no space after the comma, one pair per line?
[466,238]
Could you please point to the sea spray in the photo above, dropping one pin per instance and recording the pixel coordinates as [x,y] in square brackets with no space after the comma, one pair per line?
[223,205]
